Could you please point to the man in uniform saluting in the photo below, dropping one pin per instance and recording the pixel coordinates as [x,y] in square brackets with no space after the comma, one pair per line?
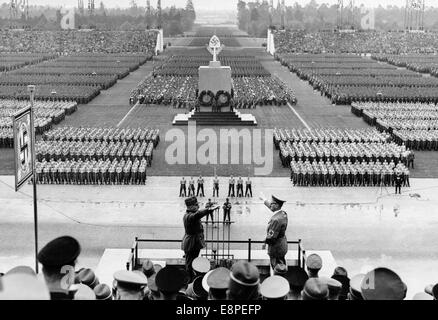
[276,231]
[193,240]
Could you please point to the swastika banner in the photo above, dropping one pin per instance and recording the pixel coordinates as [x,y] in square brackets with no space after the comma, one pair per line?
[22,147]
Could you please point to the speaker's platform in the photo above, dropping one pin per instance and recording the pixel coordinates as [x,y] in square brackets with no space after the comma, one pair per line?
[229,118]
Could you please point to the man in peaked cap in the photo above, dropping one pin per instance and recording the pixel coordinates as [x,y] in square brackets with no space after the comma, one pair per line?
[244,281]
[334,288]
[383,284]
[201,266]
[355,292]
[193,240]
[297,277]
[22,286]
[313,264]
[169,281]
[315,289]
[148,268]
[274,288]
[103,292]
[422,296]
[215,282]
[56,256]
[87,277]
[195,289]
[22,270]
[130,285]
[84,292]
[276,231]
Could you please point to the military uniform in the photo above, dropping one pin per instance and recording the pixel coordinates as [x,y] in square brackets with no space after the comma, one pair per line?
[276,236]
[193,240]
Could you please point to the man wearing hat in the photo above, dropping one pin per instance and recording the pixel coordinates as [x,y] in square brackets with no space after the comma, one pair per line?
[87,277]
[195,289]
[334,288]
[193,240]
[22,286]
[169,281]
[313,264]
[275,288]
[315,289]
[383,284]
[297,277]
[215,282]
[244,282]
[201,266]
[276,231]
[103,292]
[130,285]
[58,258]
[148,268]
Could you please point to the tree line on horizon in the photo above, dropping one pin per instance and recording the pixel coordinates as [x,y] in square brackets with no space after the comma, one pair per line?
[174,21]
[256,17]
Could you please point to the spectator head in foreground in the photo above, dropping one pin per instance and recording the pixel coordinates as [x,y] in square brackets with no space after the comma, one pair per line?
[297,277]
[192,204]
[274,288]
[130,285]
[23,286]
[315,289]
[313,264]
[215,282]
[334,288]
[87,277]
[148,268]
[383,284]
[103,292]
[57,257]
[201,266]
[170,280]
[244,281]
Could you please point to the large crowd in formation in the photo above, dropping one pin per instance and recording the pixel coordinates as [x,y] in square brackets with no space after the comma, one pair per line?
[78,77]
[355,42]
[242,64]
[77,41]
[414,62]
[69,155]
[240,281]
[174,82]
[348,78]
[46,113]
[414,125]
[11,61]
[343,157]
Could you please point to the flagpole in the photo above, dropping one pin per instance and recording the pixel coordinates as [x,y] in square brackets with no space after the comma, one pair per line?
[31,90]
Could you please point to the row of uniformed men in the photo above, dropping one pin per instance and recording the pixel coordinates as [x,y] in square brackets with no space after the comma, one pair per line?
[91,172]
[75,150]
[103,134]
[417,139]
[329,135]
[342,151]
[348,174]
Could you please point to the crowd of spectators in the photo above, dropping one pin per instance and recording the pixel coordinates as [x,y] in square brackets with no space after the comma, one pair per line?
[242,281]
[355,42]
[414,125]
[77,41]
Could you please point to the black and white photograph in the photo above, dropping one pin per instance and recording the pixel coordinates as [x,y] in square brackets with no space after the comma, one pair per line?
[236,151]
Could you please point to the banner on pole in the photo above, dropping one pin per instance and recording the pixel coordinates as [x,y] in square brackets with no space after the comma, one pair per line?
[22,147]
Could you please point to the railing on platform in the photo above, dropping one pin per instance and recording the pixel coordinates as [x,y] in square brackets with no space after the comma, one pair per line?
[133,256]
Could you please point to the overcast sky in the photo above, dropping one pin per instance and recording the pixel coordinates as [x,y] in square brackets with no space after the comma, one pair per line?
[207,4]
